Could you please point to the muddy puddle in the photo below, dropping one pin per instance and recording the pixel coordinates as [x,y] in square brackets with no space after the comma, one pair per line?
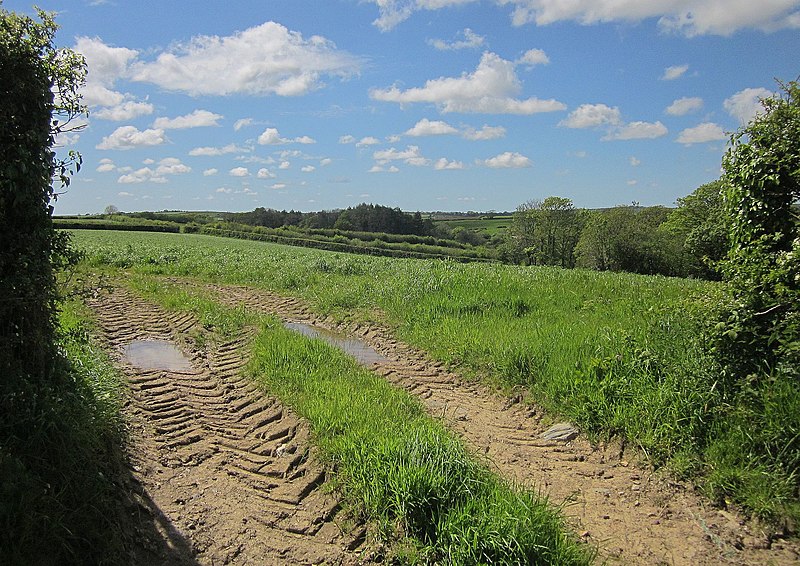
[156,354]
[364,354]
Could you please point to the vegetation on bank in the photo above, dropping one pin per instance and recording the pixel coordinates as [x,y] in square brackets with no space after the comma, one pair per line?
[393,465]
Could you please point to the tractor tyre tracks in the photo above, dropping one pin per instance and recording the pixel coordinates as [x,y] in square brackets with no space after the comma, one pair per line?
[221,472]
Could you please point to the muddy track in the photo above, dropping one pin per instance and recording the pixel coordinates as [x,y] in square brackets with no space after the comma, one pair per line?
[221,472]
[629,513]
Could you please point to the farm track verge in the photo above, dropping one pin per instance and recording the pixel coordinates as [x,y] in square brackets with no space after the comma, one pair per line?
[633,515]
[219,469]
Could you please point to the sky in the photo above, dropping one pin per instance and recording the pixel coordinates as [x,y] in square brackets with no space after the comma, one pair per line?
[429,105]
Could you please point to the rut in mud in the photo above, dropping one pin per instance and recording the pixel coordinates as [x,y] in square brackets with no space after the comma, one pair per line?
[629,513]
[221,472]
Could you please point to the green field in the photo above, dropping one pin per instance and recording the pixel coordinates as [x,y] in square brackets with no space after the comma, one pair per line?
[488,226]
[619,354]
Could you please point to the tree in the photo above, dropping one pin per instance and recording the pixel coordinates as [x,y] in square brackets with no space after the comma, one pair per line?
[699,223]
[761,331]
[111,210]
[40,98]
[548,231]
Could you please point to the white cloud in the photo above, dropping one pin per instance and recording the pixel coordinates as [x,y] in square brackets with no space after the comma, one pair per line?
[124,111]
[143,175]
[241,123]
[265,173]
[443,164]
[172,166]
[674,72]
[284,165]
[271,136]
[485,133]
[368,141]
[534,57]
[411,155]
[745,104]
[325,161]
[471,40]
[196,119]
[239,172]
[347,139]
[125,194]
[224,190]
[308,168]
[702,133]
[635,162]
[689,17]
[632,182]
[210,172]
[508,160]
[265,59]
[489,89]
[592,116]
[129,137]
[382,169]
[106,166]
[638,131]
[213,151]
[685,105]
[279,186]
[426,127]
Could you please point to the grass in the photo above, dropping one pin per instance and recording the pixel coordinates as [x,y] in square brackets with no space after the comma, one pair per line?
[619,354]
[58,500]
[394,465]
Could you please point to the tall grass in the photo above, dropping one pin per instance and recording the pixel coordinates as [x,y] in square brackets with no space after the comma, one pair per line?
[619,354]
[60,459]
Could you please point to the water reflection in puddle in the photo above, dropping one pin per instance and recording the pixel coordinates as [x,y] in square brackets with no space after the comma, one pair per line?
[156,354]
[356,348]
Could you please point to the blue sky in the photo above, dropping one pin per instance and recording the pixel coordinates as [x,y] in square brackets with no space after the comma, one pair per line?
[421,104]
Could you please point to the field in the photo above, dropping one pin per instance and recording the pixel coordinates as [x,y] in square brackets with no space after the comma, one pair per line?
[620,356]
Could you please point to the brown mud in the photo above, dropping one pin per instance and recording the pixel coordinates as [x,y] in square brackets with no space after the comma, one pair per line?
[220,472]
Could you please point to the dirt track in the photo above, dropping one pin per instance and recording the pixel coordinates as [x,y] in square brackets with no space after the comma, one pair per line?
[229,468]
[222,471]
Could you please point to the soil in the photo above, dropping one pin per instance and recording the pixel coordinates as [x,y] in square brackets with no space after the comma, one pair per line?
[219,466]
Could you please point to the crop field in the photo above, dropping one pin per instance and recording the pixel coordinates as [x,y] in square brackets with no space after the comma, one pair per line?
[437,455]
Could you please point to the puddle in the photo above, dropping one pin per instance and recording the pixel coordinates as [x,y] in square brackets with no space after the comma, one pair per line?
[156,354]
[356,348]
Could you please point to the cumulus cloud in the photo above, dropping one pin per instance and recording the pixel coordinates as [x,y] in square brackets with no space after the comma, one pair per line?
[213,151]
[638,131]
[129,137]
[367,141]
[210,172]
[172,166]
[470,40]
[382,169]
[685,105]
[106,165]
[265,173]
[688,17]
[635,162]
[427,127]
[745,104]
[143,175]
[411,155]
[508,160]
[347,139]
[444,165]
[674,72]
[284,165]
[489,89]
[124,111]
[239,172]
[534,57]
[485,133]
[265,59]
[241,123]
[271,136]
[702,133]
[196,119]
[325,161]
[308,168]
[592,116]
